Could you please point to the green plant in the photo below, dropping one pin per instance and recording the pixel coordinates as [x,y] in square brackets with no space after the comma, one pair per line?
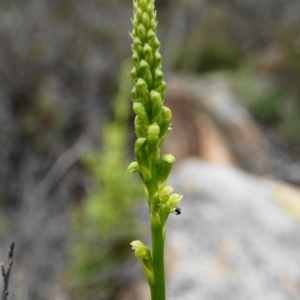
[274,106]
[152,123]
[101,244]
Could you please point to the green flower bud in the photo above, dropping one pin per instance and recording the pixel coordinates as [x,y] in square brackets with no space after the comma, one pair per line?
[142,87]
[150,10]
[140,144]
[156,101]
[137,45]
[153,145]
[158,75]
[164,193]
[133,167]
[145,174]
[148,54]
[135,58]
[155,45]
[141,31]
[143,253]
[146,20]
[139,109]
[162,89]
[144,70]
[166,113]
[157,59]
[166,121]
[135,6]
[148,77]
[134,74]
[153,24]
[144,66]
[139,128]
[143,5]
[134,94]
[147,49]
[166,189]
[141,248]
[141,154]
[139,14]
[165,167]
[153,130]
[151,37]
[164,128]
[134,23]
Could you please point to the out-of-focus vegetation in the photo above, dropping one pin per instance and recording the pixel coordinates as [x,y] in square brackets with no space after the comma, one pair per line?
[263,61]
[210,47]
[106,221]
[59,66]
[276,106]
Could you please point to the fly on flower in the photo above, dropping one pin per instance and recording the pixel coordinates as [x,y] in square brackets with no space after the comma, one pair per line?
[177,211]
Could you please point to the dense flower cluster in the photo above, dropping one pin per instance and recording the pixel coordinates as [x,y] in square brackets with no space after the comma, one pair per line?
[152,123]
[153,119]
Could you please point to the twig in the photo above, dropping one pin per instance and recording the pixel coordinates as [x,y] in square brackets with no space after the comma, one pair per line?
[6,272]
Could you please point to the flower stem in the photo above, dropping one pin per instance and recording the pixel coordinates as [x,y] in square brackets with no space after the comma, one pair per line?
[159,292]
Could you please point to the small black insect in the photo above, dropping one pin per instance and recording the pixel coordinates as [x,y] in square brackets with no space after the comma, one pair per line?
[177,211]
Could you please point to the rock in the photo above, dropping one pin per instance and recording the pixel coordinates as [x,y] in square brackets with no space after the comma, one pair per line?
[210,123]
[232,240]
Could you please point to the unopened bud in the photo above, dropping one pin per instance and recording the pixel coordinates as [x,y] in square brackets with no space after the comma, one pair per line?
[166,113]
[153,142]
[150,36]
[157,59]
[147,49]
[143,4]
[145,174]
[165,167]
[142,32]
[134,75]
[134,94]
[142,86]
[153,130]
[141,155]
[156,103]
[164,193]
[133,167]
[158,75]
[138,108]
[135,58]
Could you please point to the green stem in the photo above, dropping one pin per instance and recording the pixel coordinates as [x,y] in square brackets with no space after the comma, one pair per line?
[158,289]
[158,264]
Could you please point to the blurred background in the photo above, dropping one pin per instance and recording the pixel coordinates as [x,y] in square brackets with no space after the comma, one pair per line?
[66,125]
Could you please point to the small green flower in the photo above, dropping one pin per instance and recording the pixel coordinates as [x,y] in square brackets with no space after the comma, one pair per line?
[143,253]
[141,250]
[165,168]
[133,167]
[175,199]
